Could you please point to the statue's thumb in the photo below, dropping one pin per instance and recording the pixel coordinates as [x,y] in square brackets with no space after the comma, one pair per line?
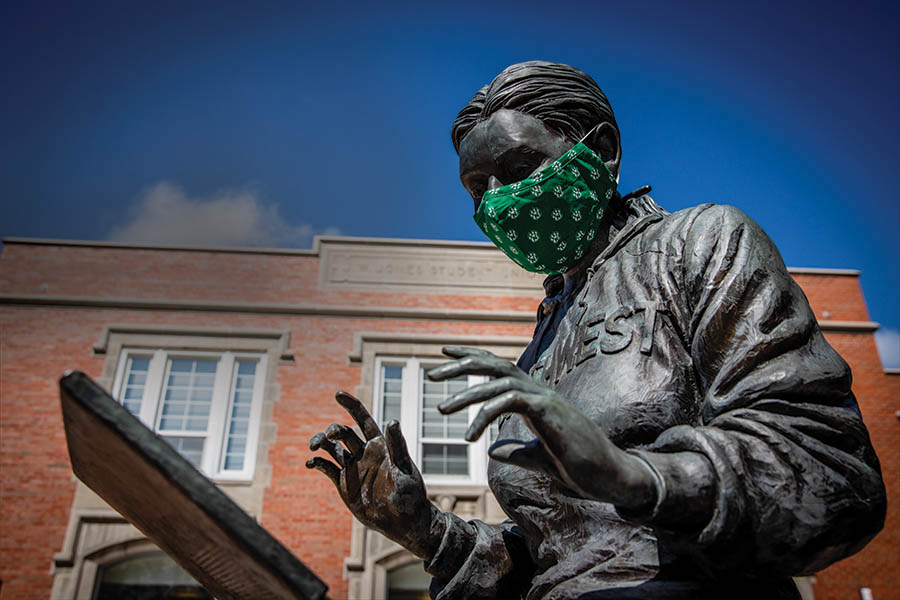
[528,455]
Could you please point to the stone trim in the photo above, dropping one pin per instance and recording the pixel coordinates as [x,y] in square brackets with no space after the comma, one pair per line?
[316,310]
[101,537]
[163,247]
[422,344]
[324,310]
[234,337]
[319,240]
[823,271]
[848,326]
[415,266]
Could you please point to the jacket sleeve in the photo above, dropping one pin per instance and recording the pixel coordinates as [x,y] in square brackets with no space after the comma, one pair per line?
[479,561]
[795,484]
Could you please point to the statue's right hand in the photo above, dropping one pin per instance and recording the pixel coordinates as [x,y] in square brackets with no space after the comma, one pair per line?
[377,479]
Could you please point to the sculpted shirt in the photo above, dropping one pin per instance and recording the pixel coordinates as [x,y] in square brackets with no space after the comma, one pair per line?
[688,335]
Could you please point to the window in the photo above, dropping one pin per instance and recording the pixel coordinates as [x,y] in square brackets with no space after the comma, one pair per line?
[409,582]
[435,441]
[206,405]
[146,577]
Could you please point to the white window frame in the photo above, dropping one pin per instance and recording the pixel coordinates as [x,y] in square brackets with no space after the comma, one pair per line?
[411,418]
[223,393]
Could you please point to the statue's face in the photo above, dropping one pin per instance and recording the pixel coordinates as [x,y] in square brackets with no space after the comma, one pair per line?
[506,148]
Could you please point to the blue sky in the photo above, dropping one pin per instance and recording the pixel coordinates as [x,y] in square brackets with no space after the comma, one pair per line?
[265,123]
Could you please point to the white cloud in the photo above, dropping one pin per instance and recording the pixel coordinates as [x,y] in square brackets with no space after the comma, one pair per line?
[888,341]
[164,214]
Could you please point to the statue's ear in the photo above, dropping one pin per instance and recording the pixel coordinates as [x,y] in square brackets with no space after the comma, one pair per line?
[604,140]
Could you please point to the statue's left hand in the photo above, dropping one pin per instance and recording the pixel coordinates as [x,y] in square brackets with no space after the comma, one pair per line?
[569,447]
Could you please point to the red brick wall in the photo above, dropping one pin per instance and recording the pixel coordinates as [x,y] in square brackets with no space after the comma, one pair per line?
[300,507]
[877,566]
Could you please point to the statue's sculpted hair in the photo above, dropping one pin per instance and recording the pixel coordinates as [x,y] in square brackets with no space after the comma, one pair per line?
[565,99]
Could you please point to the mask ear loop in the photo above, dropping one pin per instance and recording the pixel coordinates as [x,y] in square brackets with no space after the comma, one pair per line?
[589,134]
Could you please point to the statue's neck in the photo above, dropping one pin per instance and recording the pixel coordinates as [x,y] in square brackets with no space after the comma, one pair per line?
[609,227]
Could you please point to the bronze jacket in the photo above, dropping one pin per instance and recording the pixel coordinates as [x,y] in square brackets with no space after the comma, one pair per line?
[688,334]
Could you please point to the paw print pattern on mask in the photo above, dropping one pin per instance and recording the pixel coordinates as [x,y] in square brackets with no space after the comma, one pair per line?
[573,186]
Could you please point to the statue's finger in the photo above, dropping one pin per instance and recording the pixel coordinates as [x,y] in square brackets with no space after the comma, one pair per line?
[476,393]
[342,433]
[329,468]
[461,351]
[474,365]
[320,442]
[529,455]
[359,413]
[396,446]
[511,401]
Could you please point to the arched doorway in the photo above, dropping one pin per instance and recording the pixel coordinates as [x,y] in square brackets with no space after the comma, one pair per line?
[152,576]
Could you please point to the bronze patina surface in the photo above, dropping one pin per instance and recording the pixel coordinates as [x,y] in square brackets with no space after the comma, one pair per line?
[678,427]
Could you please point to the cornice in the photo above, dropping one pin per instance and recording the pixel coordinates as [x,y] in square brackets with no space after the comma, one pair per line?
[320,310]
[327,310]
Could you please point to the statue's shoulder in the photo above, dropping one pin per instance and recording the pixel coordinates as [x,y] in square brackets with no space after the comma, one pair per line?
[706,221]
[710,215]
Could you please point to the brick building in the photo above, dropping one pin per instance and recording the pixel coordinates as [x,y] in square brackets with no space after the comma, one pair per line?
[234,356]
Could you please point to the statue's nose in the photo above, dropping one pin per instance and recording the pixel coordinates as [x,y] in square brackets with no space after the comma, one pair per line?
[493,183]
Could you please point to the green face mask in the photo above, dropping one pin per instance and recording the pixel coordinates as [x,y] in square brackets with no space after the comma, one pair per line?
[546,222]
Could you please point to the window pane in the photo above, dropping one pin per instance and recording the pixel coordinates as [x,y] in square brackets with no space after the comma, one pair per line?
[239,417]
[445,459]
[135,378]
[409,582]
[149,576]
[391,377]
[434,424]
[191,448]
[188,395]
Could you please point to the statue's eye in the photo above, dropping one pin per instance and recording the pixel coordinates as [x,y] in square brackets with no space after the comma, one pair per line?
[522,170]
[521,162]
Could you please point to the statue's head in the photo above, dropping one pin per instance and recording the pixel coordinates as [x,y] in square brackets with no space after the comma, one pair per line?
[528,116]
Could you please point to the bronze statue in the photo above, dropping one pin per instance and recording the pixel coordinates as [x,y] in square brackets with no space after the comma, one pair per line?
[678,426]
